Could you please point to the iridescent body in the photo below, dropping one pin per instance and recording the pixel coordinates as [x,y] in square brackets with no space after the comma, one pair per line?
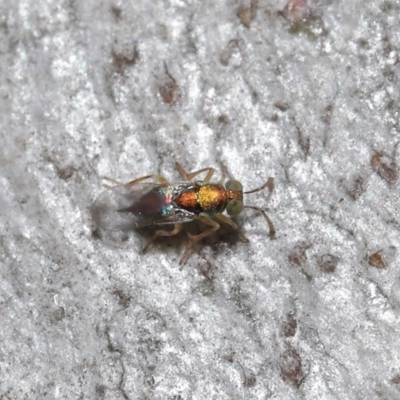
[138,204]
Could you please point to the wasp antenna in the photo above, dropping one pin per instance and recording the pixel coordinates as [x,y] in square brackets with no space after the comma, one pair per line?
[269,222]
[269,184]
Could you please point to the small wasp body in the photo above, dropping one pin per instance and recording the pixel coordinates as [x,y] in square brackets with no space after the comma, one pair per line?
[138,204]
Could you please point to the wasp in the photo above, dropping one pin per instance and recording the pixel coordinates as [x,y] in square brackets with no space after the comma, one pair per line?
[138,203]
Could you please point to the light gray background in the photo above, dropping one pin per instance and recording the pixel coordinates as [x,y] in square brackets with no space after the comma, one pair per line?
[307,94]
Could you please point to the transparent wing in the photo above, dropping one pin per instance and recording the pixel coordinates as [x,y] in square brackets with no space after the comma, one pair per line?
[128,206]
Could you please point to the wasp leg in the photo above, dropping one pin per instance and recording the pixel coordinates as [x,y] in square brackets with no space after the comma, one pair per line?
[188,176]
[135,182]
[115,182]
[159,178]
[175,231]
[227,220]
[213,226]
[224,172]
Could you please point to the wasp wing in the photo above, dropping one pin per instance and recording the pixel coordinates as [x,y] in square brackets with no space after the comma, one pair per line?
[131,206]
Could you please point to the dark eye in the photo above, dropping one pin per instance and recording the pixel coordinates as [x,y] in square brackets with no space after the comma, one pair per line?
[234,207]
[233,185]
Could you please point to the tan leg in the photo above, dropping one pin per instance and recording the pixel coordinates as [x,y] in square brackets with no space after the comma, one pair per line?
[175,231]
[213,226]
[227,220]
[269,222]
[188,176]
[159,178]
[224,173]
[115,182]
[135,182]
